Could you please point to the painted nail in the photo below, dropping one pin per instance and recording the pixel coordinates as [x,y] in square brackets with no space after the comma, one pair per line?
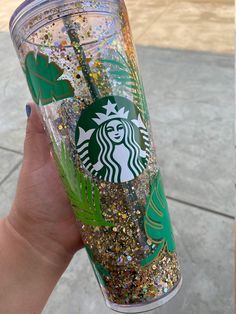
[28,110]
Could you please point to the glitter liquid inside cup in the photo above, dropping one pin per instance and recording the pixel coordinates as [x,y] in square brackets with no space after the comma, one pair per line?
[81,69]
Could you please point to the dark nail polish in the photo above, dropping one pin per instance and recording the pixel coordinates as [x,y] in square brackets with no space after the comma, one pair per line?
[28,110]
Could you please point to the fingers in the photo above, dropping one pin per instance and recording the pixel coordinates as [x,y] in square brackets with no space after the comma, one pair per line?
[34,124]
[36,147]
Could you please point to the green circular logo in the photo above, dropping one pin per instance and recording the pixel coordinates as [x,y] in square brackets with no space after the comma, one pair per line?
[112,140]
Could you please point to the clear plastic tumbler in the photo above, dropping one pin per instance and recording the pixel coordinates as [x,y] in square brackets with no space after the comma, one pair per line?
[81,69]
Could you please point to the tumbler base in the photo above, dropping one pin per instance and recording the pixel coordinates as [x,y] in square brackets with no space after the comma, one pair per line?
[146,306]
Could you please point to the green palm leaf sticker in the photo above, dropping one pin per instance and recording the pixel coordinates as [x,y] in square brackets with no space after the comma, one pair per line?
[42,78]
[157,223]
[82,193]
[125,71]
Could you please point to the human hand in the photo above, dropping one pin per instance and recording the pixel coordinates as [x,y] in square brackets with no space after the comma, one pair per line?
[41,212]
[40,235]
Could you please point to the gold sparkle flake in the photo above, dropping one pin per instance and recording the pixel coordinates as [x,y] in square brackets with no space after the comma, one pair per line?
[149,242]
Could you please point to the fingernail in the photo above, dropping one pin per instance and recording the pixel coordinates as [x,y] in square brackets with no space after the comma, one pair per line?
[28,110]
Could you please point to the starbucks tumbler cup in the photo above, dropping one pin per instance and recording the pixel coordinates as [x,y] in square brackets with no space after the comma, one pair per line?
[81,69]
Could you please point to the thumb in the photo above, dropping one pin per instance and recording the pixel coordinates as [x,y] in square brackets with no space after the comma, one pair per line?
[36,146]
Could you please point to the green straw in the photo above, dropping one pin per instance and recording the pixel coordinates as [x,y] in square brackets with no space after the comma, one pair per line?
[79,51]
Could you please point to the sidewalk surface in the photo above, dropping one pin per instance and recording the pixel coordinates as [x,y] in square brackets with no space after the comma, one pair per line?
[186,58]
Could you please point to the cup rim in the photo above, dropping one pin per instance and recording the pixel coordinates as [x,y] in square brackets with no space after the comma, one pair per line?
[17,11]
[29,4]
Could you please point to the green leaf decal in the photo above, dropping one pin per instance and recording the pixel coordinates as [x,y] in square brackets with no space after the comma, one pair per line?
[124,70]
[82,193]
[98,268]
[157,223]
[42,78]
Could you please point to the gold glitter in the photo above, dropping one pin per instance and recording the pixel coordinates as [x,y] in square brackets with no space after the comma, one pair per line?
[94,75]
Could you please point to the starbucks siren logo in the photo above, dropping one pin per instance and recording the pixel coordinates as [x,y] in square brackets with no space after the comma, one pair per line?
[112,140]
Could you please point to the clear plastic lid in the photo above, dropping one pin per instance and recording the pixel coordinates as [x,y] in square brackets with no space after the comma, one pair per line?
[33,14]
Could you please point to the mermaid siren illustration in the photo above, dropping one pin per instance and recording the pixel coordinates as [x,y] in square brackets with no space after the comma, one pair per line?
[113,143]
